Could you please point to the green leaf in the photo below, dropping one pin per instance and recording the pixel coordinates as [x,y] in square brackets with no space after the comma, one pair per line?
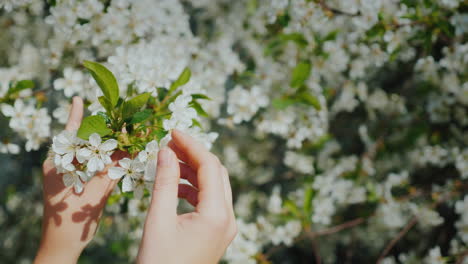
[200,96]
[292,207]
[134,105]
[252,5]
[376,31]
[201,112]
[196,123]
[93,124]
[21,85]
[162,92]
[282,103]
[298,38]
[274,47]
[183,79]
[300,74]
[283,20]
[105,116]
[309,99]
[141,116]
[309,194]
[106,104]
[105,79]
[331,36]
[159,133]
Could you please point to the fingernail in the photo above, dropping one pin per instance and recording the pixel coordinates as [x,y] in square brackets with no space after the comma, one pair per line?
[164,157]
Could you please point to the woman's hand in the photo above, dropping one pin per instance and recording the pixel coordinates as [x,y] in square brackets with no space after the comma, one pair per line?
[200,237]
[70,219]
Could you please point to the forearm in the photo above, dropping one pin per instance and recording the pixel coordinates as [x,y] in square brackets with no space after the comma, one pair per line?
[52,254]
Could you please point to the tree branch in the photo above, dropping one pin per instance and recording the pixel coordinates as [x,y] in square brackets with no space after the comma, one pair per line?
[395,240]
[315,249]
[339,228]
[332,10]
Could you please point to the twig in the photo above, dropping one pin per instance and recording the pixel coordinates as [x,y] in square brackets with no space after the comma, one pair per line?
[333,10]
[329,231]
[339,228]
[395,240]
[315,249]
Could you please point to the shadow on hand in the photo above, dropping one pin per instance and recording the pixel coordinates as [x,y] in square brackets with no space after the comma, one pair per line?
[53,181]
[56,197]
[89,214]
[53,212]
[53,185]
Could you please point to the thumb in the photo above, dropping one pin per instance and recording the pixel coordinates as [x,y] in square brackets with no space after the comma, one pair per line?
[76,114]
[164,201]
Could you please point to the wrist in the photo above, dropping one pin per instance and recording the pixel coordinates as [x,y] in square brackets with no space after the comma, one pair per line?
[51,253]
[54,248]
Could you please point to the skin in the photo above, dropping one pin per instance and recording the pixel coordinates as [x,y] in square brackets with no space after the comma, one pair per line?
[199,237]
[70,219]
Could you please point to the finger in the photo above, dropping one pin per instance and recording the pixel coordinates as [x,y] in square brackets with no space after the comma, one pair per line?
[188,193]
[210,185]
[48,167]
[189,150]
[232,229]
[227,187]
[188,173]
[165,188]
[179,153]
[76,114]
[102,185]
[98,189]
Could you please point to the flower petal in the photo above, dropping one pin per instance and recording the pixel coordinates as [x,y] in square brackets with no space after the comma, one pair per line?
[95,164]
[150,170]
[109,145]
[78,186]
[152,147]
[127,184]
[138,191]
[125,163]
[8,110]
[138,166]
[95,140]
[83,154]
[57,160]
[165,140]
[116,173]
[68,179]
[106,159]
[67,159]
[69,167]
[83,175]
[142,156]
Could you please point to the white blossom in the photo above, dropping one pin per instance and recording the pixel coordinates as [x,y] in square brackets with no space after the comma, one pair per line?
[132,173]
[97,153]
[71,83]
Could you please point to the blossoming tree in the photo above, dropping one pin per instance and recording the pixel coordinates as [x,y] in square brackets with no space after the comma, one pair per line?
[342,122]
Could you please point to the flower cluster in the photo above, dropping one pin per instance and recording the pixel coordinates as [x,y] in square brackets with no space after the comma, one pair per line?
[136,126]
[29,122]
[91,156]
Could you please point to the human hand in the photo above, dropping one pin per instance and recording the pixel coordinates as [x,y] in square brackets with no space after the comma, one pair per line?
[199,237]
[70,219]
